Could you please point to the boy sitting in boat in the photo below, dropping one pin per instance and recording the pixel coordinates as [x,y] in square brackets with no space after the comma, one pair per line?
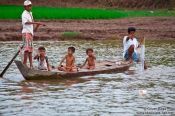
[90,60]
[43,63]
[70,61]
[131,46]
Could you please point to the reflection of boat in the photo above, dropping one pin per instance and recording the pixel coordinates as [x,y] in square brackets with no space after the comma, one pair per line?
[103,67]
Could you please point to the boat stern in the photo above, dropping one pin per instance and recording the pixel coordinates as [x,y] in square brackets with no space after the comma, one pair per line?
[22,68]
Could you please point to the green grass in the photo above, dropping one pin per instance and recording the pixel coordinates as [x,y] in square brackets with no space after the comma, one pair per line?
[70,34]
[14,12]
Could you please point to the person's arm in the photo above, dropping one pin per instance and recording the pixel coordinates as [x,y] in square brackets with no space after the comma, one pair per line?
[34,23]
[48,66]
[141,42]
[73,62]
[94,60]
[62,61]
[26,21]
[125,39]
[94,56]
[84,63]
[36,57]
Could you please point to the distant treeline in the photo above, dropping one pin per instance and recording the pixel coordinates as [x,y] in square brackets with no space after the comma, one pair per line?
[130,4]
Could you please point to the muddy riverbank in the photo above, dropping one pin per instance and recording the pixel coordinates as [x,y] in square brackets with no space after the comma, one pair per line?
[150,27]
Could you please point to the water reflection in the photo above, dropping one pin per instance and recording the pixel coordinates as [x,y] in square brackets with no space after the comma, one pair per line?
[125,93]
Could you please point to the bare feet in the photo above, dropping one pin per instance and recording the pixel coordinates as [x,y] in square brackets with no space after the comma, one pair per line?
[130,61]
[31,66]
[145,66]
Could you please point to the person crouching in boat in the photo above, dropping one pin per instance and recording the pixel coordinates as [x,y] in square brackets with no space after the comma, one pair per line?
[90,60]
[70,61]
[27,31]
[43,63]
[130,45]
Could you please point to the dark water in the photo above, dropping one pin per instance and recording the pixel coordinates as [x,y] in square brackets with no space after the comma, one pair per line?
[129,93]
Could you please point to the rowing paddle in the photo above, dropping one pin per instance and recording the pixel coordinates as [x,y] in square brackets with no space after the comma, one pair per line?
[2,73]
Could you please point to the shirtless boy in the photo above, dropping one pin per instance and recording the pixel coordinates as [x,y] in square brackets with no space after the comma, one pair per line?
[70,61]
[90,60]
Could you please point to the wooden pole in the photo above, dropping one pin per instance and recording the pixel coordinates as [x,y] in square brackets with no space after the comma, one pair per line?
[8,65]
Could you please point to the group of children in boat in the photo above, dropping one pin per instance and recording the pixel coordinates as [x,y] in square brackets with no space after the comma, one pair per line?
[69,58]
[130,45]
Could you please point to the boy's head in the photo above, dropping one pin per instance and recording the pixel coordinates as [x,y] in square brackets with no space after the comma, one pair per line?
[42,51]
[89,51]
[71,50]
[131,31]
[28,5]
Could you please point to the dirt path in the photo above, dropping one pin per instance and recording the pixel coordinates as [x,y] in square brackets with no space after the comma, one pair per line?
[151,28]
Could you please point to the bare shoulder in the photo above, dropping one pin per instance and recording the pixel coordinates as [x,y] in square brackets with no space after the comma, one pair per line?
[65,56]
[87,58]
[73,57]
[94,57]
[24,13]
[46,58]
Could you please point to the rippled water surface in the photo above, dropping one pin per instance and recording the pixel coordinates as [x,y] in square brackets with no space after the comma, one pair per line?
[129,93]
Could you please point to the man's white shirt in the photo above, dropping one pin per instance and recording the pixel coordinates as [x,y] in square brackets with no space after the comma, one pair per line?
[127,44]
[27,17]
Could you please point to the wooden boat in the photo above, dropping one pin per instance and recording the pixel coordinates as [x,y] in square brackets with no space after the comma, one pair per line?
[103,67]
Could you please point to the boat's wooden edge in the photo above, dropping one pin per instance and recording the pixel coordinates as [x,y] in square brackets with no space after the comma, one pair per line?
[22,68]
[30,74]
[33,74]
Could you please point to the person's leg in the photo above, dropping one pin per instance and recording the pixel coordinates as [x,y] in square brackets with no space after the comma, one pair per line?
[91,67]
[62,68]
[145,65]
[25,57]
[30,59]
[130,51]
[126,56]
[26,48]
[135,57]
[74,69]
[129,54]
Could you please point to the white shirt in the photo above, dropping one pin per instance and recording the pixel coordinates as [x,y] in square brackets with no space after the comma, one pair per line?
[127,44]
[42,64]
[27,17]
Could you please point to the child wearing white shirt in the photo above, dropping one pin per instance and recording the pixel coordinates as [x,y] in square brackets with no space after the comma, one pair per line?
[27,31]
[130,45]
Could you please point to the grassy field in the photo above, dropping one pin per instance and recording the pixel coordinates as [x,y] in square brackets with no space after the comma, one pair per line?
[14,12]
[70,34]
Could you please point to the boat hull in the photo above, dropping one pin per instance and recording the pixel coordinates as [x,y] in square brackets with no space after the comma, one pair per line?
[103,68]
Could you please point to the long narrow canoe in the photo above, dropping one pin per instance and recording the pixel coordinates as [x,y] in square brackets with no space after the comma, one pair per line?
[104,67]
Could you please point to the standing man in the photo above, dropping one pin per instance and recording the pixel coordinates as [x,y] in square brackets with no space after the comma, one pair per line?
[27,31]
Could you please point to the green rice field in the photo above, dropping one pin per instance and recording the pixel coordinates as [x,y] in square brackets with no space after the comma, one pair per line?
[14,12]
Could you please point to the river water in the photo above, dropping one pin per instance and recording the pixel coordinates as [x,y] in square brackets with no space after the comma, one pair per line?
[124,94]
